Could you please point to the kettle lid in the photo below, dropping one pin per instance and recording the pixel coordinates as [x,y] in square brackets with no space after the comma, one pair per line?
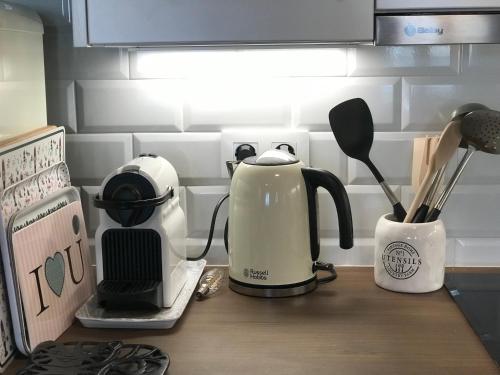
[272,157]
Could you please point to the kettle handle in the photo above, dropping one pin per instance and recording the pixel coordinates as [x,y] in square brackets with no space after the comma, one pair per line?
[315,178]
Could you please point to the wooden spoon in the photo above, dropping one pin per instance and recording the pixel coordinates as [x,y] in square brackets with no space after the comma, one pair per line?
[423,147]
[448,143]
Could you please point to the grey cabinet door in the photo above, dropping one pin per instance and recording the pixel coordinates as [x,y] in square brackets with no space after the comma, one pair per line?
[178,22]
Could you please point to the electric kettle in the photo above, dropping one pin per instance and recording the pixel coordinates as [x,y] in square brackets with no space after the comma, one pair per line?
[273,236]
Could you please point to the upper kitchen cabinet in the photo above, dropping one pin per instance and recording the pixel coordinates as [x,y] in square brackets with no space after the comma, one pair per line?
[221,22]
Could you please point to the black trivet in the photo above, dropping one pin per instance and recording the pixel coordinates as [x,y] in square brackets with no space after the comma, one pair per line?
[95,358]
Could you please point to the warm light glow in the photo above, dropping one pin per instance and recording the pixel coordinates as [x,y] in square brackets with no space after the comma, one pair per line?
[156,63]
[249,99]
[234,87]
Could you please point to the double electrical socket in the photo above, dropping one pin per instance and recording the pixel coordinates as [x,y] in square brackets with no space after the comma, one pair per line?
[263,140]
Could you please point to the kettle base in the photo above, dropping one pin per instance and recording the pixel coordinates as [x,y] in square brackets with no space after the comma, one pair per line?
[275,291]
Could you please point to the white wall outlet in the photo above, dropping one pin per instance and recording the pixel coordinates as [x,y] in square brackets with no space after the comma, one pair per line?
[255,145]
[263,140]
[283,146]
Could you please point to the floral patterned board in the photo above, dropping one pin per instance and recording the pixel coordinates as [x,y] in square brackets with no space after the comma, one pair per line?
[7,344]
[32,190]
[33,155]
[42,151]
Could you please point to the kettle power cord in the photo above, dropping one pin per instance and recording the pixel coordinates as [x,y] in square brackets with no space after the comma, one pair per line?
[329,267]
[211,231]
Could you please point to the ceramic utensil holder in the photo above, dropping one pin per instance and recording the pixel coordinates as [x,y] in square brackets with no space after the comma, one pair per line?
[409,257]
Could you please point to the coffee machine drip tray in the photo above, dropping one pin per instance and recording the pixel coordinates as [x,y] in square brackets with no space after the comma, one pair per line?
[93,315]
[478,297]
[130,294]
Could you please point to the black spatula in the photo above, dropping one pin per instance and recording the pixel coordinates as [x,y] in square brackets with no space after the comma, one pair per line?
[352,125]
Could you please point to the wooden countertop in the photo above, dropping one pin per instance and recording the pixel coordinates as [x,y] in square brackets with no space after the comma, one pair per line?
[349,326]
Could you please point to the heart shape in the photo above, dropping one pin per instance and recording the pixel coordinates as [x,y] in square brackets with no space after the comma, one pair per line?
[54,273]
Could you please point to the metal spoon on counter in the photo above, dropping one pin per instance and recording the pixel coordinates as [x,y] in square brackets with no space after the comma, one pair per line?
[352,125]
[481,130]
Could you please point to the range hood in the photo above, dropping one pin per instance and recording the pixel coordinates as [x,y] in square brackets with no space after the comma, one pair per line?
[180,23]
[411,22]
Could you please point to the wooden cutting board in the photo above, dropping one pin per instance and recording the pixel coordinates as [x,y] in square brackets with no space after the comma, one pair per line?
[12,139]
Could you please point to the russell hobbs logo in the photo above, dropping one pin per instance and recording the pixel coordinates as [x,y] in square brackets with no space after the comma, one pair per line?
[412,30]
[401,260]
[255,274]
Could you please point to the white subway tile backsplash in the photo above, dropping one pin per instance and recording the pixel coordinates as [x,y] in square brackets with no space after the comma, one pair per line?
[62,61]
[215,104]
[61,105]
[91,157]
[157,63]
[314,97]
[392,155]
[368,203]
[200,203]
[360,255]
[477,252]
[429,101]
[91,213]
[330,252]
[325,153]
[407,195]
[216,255]
[450,252]
[480,59]
[403,60]
[191,154]
[117,106]
[176,102]
[471,210]
[482,169]
[182,198]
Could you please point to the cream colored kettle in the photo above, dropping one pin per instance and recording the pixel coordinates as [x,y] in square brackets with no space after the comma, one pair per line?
[273,240]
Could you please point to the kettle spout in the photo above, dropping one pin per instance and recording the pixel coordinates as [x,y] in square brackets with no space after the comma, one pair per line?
[231,166]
